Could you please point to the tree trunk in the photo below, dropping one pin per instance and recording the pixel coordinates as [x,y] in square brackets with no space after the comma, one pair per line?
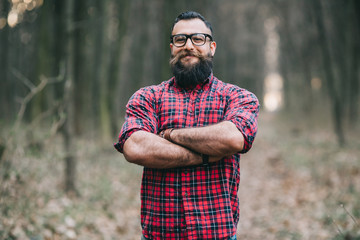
[68,131]
[82,80]
[122,86]
[5,108]
[121,11]
[153,53]
[354,68]
[104,66]
[329,75]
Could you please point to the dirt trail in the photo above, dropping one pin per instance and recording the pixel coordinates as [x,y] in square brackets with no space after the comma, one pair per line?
[276,201]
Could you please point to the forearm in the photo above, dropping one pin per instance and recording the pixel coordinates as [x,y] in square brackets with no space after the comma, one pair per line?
[222,139]
[149,150]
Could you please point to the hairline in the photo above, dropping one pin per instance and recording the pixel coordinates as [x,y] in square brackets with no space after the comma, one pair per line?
[205,32]
[192,16]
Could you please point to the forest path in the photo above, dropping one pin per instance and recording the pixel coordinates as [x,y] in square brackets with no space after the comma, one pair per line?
[282,197]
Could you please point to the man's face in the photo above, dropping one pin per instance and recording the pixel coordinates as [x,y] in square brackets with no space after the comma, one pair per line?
[185,54]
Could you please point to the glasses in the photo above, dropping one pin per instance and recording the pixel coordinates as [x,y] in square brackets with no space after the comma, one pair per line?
[198,39]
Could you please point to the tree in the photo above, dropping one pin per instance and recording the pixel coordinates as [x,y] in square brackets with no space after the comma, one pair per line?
[328,65]
[68,130]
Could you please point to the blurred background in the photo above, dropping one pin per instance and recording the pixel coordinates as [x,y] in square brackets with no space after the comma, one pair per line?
[69,67]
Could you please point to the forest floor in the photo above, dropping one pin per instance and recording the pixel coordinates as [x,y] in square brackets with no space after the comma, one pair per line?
[296,183]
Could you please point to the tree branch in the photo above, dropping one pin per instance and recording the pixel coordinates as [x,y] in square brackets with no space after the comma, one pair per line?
[44,81]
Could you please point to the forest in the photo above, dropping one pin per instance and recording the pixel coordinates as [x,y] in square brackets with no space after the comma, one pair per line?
[68,69]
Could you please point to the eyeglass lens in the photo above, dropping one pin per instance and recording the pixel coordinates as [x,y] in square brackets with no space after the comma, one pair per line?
[197,39]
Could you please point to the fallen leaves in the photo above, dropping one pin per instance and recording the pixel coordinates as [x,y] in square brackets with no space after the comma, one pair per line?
[292,187]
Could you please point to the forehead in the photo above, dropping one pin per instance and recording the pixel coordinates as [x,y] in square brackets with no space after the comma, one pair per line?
[190,26]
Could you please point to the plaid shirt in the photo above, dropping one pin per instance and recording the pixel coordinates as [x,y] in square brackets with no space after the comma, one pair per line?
[197,202]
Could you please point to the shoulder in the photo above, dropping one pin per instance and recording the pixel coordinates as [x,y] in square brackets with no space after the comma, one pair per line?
[153,91]
[223,86]
[232,90]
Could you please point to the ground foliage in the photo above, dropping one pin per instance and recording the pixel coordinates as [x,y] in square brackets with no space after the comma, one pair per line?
[296,183]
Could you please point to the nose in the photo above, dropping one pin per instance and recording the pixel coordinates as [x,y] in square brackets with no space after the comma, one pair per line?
[188,44]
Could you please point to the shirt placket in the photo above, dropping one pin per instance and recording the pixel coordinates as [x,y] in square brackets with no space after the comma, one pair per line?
[187,177]
[191,108]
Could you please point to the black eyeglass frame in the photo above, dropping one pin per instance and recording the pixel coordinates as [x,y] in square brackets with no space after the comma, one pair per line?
[190,36]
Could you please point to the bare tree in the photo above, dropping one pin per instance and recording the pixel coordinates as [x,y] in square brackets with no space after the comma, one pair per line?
[337,111]
[354,86]
[68,130]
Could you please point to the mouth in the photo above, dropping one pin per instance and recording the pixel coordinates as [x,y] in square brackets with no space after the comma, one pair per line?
[188,57]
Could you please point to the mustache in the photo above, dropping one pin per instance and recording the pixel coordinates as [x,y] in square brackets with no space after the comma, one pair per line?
[184,53]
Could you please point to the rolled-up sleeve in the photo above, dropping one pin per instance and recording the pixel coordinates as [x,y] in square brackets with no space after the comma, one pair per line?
[242,110]
[140,115]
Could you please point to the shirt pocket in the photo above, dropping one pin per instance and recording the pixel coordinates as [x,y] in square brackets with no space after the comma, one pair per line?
[211,115]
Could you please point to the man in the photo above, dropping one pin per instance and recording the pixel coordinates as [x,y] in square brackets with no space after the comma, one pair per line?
[188,133]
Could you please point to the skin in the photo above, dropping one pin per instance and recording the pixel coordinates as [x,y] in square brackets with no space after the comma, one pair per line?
[189,27]
[218,140]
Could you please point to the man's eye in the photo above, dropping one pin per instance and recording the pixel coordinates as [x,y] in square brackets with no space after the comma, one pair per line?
[179,39]
[197,39]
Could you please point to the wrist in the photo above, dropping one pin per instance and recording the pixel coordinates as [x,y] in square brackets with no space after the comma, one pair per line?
[166,134]
[205,159]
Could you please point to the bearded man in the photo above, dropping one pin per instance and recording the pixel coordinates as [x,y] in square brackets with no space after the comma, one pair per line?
[188,132]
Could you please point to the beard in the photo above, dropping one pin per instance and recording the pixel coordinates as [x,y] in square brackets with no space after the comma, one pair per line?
[189,76]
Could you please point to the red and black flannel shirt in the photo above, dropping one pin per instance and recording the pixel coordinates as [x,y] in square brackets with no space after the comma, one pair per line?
[198,202]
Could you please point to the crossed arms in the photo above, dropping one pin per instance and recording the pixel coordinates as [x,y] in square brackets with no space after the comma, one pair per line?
[217,141]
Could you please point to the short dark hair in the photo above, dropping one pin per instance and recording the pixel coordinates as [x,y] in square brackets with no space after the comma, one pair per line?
[192,15]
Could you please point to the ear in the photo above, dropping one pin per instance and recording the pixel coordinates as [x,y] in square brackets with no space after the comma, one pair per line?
[171,46]
[213,48]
